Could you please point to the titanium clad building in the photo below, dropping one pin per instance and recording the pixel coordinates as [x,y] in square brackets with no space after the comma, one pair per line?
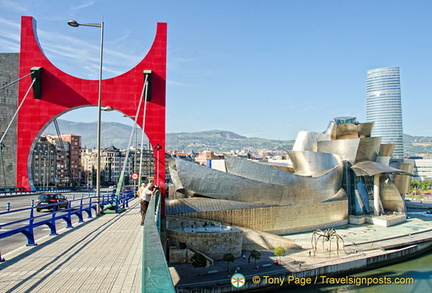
[384,106]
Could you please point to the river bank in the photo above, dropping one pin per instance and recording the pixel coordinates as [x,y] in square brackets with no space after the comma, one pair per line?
[366,246]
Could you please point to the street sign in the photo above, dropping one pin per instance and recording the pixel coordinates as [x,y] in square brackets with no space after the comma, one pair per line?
[134,176]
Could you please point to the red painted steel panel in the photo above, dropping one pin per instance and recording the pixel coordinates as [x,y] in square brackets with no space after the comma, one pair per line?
[62,92]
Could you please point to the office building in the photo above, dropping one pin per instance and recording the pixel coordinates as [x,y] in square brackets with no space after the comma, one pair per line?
[384,107]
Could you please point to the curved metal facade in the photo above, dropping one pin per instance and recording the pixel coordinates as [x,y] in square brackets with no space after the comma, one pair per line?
[308,140]
[314,164]
[268,199]
[353,150]
[248,181]
[328,174]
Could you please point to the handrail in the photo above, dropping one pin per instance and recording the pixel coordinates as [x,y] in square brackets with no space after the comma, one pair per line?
[20,191]
[49,219]
[155,272]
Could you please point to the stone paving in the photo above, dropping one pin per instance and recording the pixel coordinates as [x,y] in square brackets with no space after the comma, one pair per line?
[102,254]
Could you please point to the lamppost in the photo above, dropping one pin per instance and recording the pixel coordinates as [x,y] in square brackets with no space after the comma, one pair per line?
[44,183]
[157,147]
[109,169]
[100,25]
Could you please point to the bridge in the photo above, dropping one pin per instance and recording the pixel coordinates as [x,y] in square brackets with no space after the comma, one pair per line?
[111,252]
[102,254]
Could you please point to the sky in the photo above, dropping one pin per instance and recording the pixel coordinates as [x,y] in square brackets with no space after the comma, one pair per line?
[258,68]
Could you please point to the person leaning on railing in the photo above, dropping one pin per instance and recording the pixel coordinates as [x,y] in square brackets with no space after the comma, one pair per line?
[145,193]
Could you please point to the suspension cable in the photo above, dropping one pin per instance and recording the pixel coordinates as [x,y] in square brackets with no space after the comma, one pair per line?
[10,124]
[143,130]
[63,150]
[15,81]
[121,178]
[3,167]
[16,112]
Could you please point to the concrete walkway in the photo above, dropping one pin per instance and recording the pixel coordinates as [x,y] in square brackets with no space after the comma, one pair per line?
[102,254]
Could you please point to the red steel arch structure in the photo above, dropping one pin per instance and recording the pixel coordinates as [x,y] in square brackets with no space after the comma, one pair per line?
[61,92]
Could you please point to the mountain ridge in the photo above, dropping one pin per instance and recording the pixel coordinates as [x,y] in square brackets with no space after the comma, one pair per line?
[118,134]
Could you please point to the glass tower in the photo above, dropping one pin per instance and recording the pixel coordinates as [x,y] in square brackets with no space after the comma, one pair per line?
[384,107]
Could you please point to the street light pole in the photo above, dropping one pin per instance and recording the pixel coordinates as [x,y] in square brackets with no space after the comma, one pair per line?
[100,25]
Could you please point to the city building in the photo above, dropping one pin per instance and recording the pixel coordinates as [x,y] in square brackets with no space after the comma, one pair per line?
[72,158]
[422,168]
[181,155]
[8,106]
[383,107]
[44,164]
[146,168]
[112,160]
[56,161]
[205,158]
[88,167]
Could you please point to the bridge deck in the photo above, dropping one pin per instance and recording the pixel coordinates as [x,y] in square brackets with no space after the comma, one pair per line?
[102,254]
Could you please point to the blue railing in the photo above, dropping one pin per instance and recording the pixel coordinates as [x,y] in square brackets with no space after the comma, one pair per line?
[21,191]
[77,207]
[121,202]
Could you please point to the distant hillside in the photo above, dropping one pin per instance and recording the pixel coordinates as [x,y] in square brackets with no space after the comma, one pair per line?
[221,141]
[117,134]
[113,133]
[417,145]
[416,139]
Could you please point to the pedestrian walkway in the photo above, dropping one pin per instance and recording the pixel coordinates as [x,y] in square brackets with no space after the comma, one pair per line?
[103,254]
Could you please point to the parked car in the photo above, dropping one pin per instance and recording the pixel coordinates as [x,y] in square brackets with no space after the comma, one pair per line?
[51,201]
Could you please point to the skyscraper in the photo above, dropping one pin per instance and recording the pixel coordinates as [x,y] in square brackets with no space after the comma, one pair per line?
[384,107]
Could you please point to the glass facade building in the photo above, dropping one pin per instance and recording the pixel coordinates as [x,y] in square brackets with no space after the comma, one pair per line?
[384,106]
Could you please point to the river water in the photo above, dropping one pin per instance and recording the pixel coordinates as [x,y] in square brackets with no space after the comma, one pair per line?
[414,275]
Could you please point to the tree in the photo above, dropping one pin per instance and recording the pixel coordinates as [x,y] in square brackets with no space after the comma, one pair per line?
[279,251]
[255,254]
[228,257]
[419,187]
[415,184]
[198,260]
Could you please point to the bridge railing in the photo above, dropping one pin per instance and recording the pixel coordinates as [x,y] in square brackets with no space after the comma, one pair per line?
[155,272]
[76,207]
[121,202]
[21,191]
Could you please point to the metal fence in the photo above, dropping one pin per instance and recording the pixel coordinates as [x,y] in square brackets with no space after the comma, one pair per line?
[75,207]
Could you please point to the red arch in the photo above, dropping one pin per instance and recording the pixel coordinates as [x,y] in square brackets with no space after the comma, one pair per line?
[61,91]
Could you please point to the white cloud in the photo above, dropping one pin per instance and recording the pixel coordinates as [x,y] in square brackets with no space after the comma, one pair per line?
[67,50]
[10,37]
[82,5]
[15,5]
